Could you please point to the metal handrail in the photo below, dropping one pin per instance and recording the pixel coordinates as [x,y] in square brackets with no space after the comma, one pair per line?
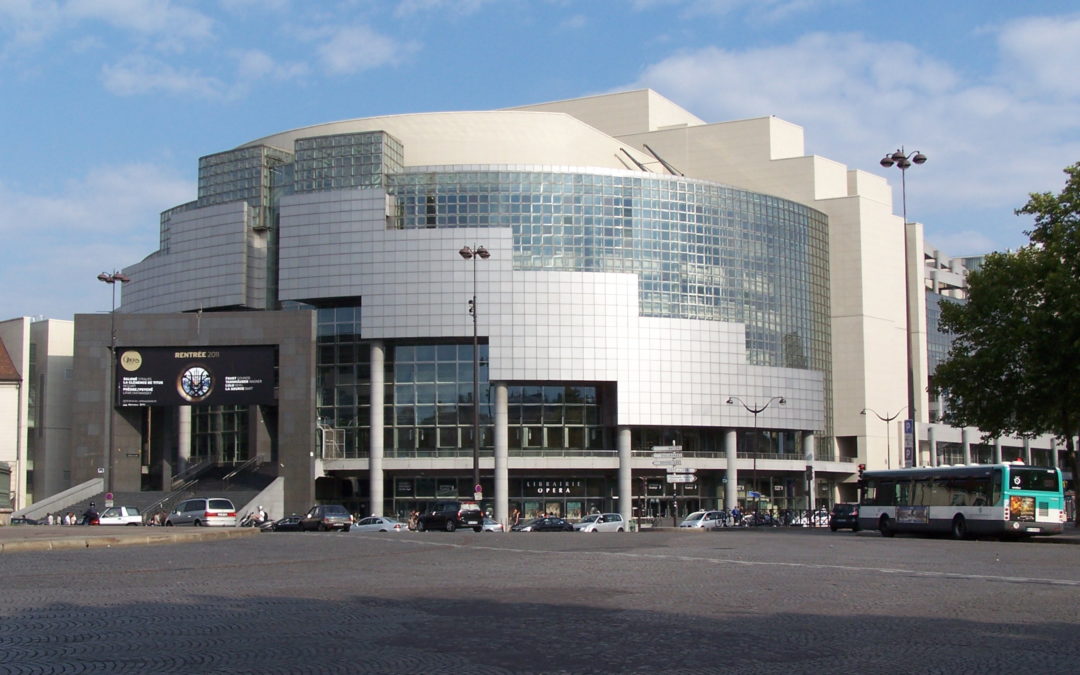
[192,470]
[160,504]
[240,469]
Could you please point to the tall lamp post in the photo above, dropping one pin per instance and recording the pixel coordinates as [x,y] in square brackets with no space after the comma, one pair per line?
[756,410]
[479,252]
[888,441]
[112,280]
[903,161]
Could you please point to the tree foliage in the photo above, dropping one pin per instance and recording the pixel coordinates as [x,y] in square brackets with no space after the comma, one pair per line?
[1014,364]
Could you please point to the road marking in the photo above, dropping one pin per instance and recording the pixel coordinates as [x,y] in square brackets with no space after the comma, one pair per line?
[769,563]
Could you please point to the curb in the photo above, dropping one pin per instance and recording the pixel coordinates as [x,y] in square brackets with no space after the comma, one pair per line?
[113,541]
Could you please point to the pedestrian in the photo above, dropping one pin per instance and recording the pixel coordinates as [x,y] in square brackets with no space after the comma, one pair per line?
[515,518]
[49,519]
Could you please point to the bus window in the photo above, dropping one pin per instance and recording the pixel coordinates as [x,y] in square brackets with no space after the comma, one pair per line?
[903,493]
[1043,480]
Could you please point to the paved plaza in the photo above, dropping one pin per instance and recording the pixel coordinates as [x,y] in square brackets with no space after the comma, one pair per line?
[742,601]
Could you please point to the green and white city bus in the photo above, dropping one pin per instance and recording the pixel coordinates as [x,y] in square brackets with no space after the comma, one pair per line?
[1009,499]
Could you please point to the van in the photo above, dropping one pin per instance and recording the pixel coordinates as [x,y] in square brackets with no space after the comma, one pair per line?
[203,512]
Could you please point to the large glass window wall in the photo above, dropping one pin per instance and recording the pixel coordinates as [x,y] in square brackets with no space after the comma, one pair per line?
[700,250]
[429,401]
[343,380]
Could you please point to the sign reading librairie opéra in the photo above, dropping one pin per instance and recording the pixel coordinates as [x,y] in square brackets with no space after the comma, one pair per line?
[148,376]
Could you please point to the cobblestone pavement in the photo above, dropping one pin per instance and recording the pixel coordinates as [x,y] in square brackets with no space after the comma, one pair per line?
[746,601]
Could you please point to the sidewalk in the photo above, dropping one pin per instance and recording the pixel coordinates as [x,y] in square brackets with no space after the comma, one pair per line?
[18,538]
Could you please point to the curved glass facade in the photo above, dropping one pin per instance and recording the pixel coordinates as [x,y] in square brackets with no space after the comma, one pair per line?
[700,250]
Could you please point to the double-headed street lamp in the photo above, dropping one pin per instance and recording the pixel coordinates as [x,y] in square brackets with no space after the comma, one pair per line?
[888,442]
[903,160]
[112,280]
[479,252]
[756,410]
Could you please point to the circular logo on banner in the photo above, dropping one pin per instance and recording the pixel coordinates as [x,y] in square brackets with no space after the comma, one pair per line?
[195,383]
[131,360]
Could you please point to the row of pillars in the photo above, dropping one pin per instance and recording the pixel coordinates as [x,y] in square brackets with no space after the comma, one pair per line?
[502,482]
[966,436]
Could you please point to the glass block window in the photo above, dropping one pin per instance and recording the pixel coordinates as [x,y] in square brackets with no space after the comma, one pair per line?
[346,161]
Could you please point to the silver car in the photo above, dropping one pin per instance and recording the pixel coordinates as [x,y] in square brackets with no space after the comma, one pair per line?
[704,520]
[203,512]
[379,524]
[601,522]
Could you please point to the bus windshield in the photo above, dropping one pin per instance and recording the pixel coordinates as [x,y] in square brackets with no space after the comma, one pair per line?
[1041,480]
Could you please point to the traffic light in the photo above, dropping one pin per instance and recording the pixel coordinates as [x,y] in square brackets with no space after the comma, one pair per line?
[862,467]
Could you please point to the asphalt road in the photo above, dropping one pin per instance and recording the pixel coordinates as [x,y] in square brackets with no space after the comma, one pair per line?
[741,601]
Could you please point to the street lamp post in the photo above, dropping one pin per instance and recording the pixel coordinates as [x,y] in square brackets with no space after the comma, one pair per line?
[888,442]
[479,252]
[756,410]
[903,161]
[112,280]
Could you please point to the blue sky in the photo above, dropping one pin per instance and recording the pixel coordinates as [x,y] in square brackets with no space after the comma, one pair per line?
[106,105]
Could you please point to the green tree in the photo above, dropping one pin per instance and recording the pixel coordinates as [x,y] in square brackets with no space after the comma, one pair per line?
[1014,364]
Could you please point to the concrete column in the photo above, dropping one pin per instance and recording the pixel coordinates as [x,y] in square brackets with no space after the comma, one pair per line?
[375,448]
[626,482]
[808,454]
[183,437]
[731,488]
[931,441]
[1027,451]
[1054,461]
[997,451]
[502,456]
[965,443]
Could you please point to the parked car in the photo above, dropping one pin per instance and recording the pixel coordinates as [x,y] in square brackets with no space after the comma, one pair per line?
[450,516]
[546,524]
[23,520]
[379,524]
[492,525]
[704,520]
[286,524]
[844,516]
[203,512]
[327,517]
[601,522]
[120,515]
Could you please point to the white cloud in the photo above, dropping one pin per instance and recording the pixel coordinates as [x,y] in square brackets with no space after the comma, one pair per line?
[1043,52]
[575,22]
[351,49]
[158,18]
[255,64]
[100,222]
[142,74]
[989,143]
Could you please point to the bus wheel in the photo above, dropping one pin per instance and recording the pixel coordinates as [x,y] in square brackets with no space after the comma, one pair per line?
[959,528]
[885,527]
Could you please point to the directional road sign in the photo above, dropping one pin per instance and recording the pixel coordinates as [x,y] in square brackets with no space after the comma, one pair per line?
[682,469]
[681,478]
[673,461]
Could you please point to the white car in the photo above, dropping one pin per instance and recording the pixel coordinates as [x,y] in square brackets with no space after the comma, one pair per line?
[121,515]
[601,522]
[492,525]
[704,520]
[379,524]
